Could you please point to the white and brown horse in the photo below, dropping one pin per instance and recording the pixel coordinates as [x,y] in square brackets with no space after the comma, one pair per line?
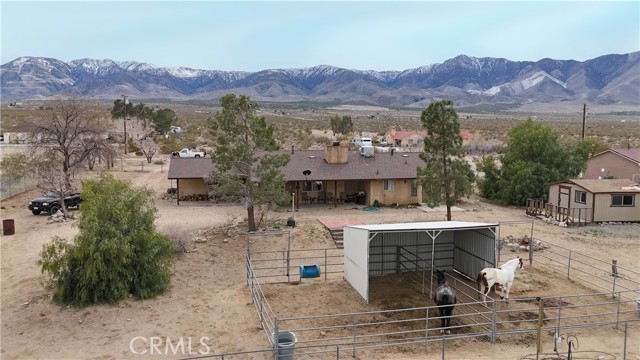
[503,276]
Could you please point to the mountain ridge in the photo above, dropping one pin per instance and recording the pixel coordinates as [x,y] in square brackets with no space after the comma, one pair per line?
[468,80]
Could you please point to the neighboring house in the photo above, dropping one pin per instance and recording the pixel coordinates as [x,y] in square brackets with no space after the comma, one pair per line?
[615,163]
[598,200]
[405,138]
[414,138]
[334,175]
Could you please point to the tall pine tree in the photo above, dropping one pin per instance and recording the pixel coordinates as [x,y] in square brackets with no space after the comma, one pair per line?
[446,176]
[246,168]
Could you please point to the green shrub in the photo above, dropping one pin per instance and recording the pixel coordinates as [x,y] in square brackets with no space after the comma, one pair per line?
[117,251]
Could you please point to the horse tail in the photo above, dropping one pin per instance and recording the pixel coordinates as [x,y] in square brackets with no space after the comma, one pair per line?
[482,279]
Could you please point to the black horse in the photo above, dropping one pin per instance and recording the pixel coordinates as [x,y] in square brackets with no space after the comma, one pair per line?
[445,298]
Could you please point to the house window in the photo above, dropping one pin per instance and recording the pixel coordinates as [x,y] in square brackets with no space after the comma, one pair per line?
[312,186]
[414,189]
[621,200]
[581,197]
[388,185]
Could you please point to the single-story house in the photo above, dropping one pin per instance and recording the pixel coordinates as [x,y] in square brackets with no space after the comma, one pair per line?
[598,200]
[333,175]
[414,138]
[615,163]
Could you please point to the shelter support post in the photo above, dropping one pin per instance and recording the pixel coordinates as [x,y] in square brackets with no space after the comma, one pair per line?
[540,325]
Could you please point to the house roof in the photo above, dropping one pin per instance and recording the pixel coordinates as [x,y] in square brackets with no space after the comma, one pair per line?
[402,134]
[596,186]
[632,154]
[190,168]
[381,166]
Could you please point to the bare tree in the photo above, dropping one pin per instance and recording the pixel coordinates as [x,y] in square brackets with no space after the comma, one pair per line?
[106,155]
[149,148]
[64,140]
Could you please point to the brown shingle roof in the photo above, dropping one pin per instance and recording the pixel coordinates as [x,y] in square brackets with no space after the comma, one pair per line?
[381,166]
[632,154]
[596,186]
[190,168]
[358,167]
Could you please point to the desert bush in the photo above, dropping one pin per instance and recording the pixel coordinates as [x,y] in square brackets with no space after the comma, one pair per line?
[117,251]
[180,238]
[133,147]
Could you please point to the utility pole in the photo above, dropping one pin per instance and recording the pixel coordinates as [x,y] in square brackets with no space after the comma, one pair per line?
[124,97]
[584,120]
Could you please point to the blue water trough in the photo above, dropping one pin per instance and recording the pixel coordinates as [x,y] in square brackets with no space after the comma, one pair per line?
[309,271]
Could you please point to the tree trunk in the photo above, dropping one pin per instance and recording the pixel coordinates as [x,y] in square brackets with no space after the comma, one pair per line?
[251,219]
[448,212]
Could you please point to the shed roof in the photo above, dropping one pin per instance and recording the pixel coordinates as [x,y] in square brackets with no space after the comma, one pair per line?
[430,225]
[190,168]
[596,186]
[381,166]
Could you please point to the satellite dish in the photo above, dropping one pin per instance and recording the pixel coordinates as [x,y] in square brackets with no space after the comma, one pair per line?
[306,172]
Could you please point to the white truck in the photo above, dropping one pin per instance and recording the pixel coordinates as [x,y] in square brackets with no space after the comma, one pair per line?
[187,153]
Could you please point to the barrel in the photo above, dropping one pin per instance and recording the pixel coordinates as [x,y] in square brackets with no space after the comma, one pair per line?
[8,227]
[285,343]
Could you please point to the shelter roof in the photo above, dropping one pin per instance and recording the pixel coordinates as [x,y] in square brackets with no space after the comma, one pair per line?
[429,225]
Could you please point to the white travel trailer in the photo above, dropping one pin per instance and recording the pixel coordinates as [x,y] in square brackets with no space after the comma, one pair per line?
[362,141]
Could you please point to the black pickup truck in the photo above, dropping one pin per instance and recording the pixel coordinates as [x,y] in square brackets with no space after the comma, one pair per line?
[50,203]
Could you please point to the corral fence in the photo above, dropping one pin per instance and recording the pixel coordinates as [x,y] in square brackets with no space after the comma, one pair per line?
[438,347]
[595,273]
[335,335]
[569,216]
[140,165]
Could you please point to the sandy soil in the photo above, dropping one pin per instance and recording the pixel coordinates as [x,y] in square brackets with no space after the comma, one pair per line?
[208,303]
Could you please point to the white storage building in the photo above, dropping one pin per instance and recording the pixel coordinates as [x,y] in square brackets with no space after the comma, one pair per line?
[383,249]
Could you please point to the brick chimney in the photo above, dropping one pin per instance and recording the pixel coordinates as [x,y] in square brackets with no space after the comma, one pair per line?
[336,154]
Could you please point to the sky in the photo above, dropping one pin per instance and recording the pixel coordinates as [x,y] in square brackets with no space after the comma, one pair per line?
[363,35]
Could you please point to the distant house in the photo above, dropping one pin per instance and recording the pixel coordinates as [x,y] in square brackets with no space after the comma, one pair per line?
[615,163]
[332,176]
[414,138]
[596,200]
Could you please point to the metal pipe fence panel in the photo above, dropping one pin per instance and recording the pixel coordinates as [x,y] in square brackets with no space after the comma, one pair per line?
[595,273]
[332,333]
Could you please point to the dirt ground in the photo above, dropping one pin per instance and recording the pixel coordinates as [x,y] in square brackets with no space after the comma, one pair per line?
[208,305]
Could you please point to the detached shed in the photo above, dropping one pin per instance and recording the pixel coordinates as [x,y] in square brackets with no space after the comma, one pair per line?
[384,249]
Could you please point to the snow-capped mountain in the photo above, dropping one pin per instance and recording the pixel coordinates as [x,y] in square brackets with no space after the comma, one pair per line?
[608,79]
